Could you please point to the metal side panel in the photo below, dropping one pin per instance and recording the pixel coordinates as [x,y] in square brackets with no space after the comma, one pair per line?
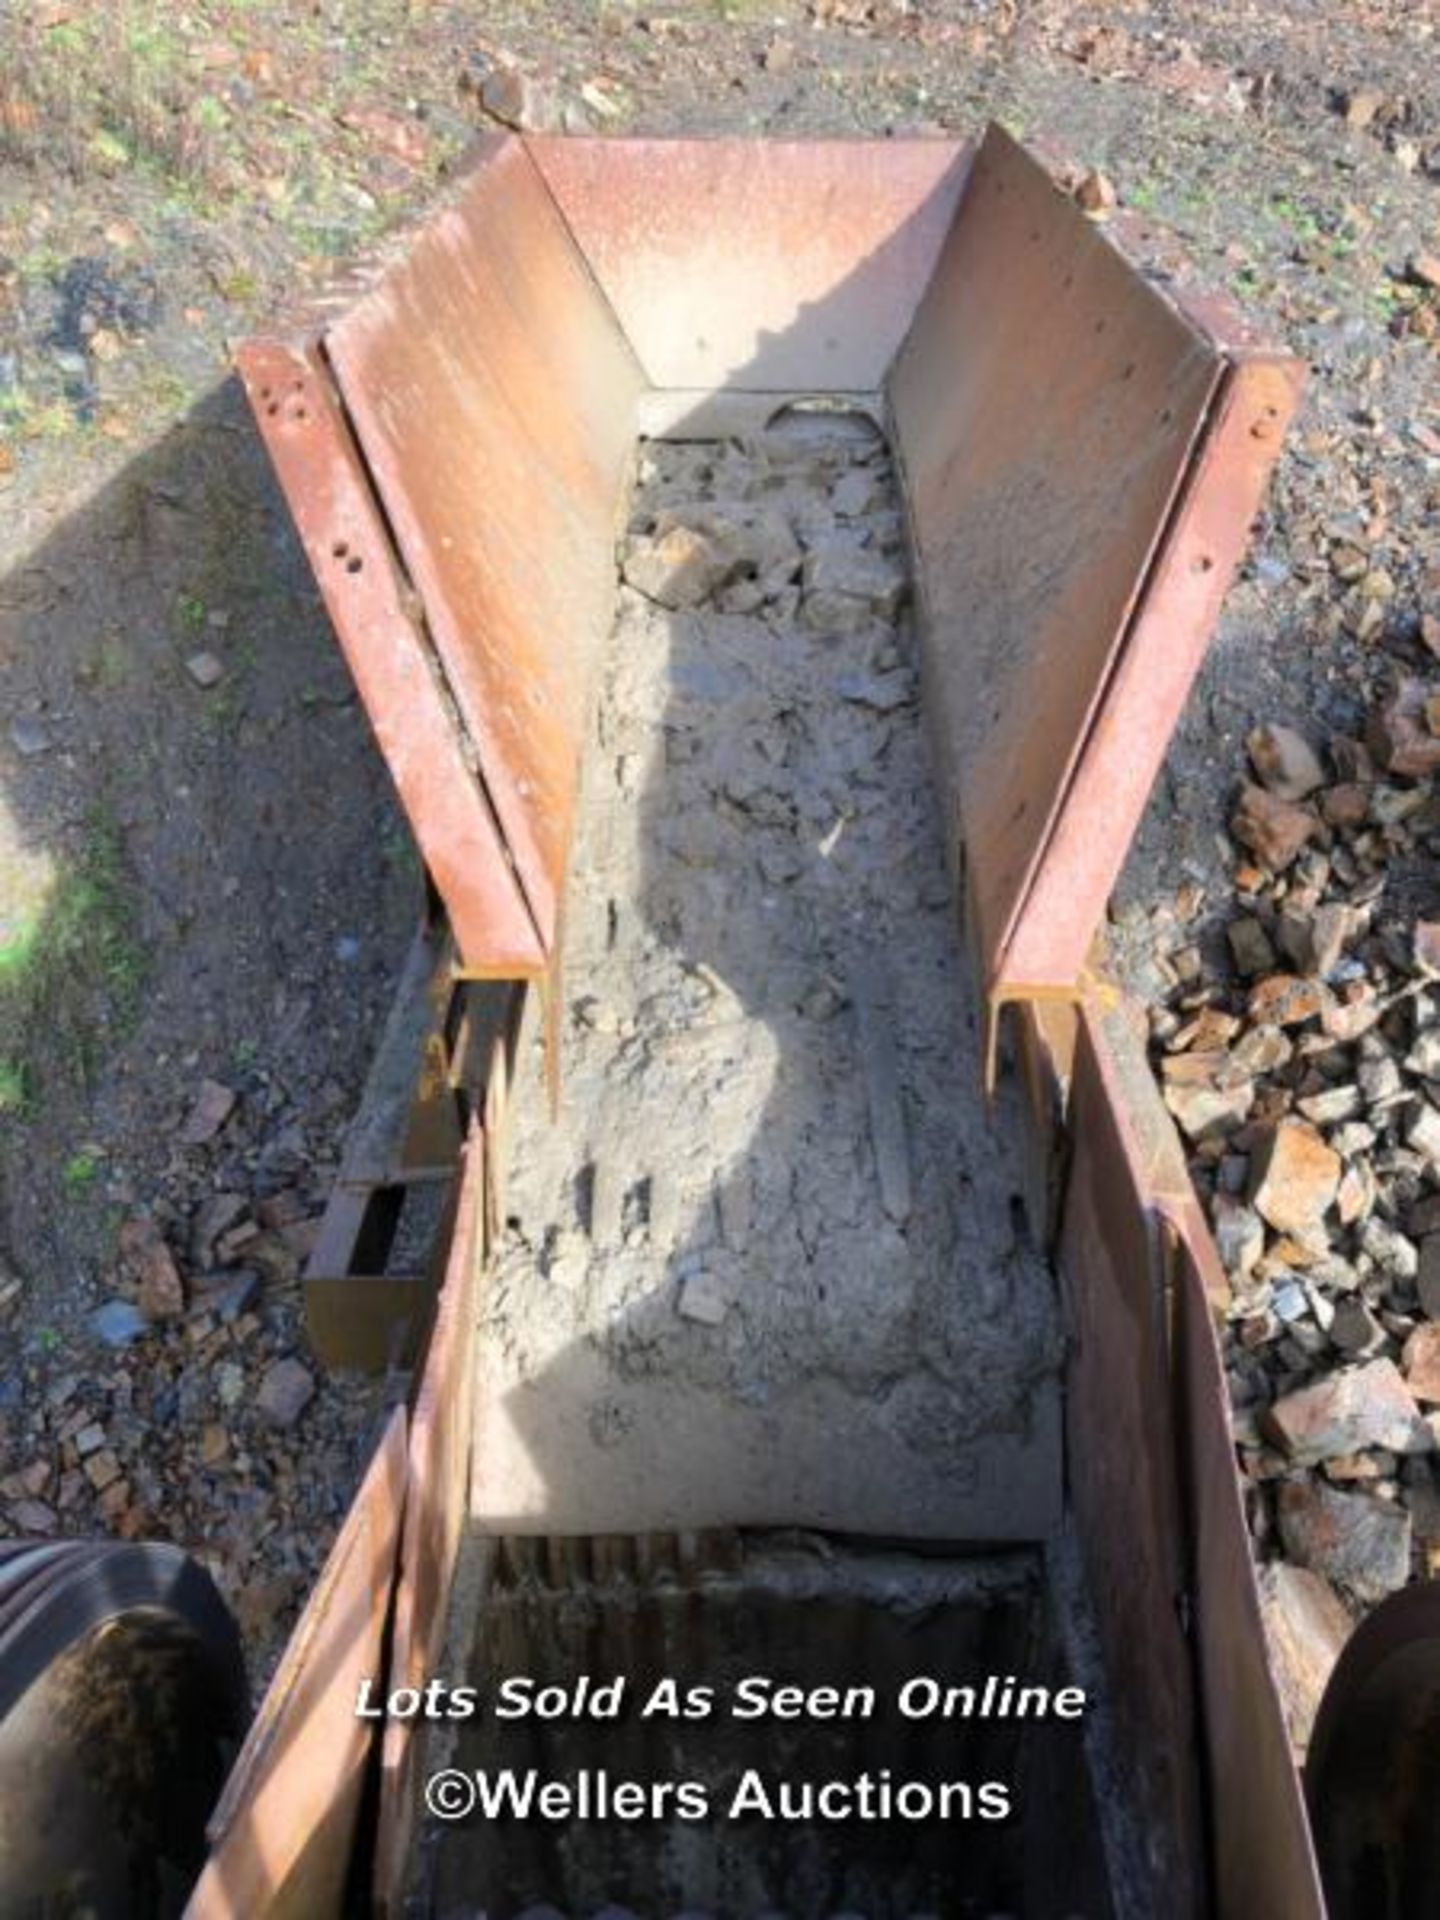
[1126,745]
[1049,405]
[1120,1458]
[495,398]
[368,599]
[438,1477]
[1263,1858]
[282,1835]
[761,264]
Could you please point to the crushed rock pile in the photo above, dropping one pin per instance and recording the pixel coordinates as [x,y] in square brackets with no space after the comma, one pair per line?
[1298,1049]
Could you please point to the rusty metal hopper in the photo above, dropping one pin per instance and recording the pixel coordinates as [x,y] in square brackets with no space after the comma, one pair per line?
[1082,453]
[1082,447]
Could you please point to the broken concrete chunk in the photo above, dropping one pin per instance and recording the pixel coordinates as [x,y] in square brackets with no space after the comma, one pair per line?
[1427,947]
[1333,1105]
[1315,942]
[1356,1194]
[213,1106]
[1250,946]
[1285,762]
[1208,1112]
[1392,1251]
[285,1392]
[1355,1330]
[885,692]
[1306,1626]
[521,100]
[681,568]
[1398,734]
[205,670]
[1239,1234]
[147,1258]
[1294,1176]
[1421,1361]
[1353,1011]
[1424,1055]
[607,1202]
[1427,1280]
[854,492]
[1274,830]
[663,1209]
[1423,1132]
[1287,1000]
[702,1299]
[1262,1050]
[1357,1541]
[1379,1078]
[845,586]
[1353,1408]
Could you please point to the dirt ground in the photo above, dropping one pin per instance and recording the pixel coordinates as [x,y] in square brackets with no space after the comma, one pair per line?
[204,882]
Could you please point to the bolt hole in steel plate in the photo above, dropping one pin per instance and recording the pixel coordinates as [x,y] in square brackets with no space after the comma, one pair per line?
[122,1697]
[1372,1778]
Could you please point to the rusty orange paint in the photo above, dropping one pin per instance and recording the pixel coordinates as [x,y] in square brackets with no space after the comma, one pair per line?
[1161,651]
[1120,1442]
[1081,462]
[1262,1851]
[282,1835]
[764,265]
[494,397]
[1081,449]
[369,602]
[437,1477]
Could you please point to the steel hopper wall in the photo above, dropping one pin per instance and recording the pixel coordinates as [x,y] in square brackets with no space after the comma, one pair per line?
[1082,453]
[494,397]
[767,266]
[382,634]
[1082,457]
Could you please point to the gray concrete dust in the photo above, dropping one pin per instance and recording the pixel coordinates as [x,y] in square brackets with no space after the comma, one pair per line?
[768,1265]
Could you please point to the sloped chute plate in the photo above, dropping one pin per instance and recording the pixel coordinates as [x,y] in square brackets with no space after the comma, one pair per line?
[1053,411]
[1263,1856]
[766,265]
[1120,1447]
[494,398]
[437,1503]
[384,642]
[282,1835]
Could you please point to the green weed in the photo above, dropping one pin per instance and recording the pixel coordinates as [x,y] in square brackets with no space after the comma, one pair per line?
[70,973]
[81,1169]
[13,1093]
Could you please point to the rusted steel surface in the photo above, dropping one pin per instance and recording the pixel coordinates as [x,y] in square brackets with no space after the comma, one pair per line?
[369,602]
[1131,728]
[1372,1774]
[494,397]
[1043,1034]
[766,264]
[1262,1857]
[1121,1454]
[437,1478]
[282,1835]
[407,1134]
[370,1321]
[527,1004]
[1048,405]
